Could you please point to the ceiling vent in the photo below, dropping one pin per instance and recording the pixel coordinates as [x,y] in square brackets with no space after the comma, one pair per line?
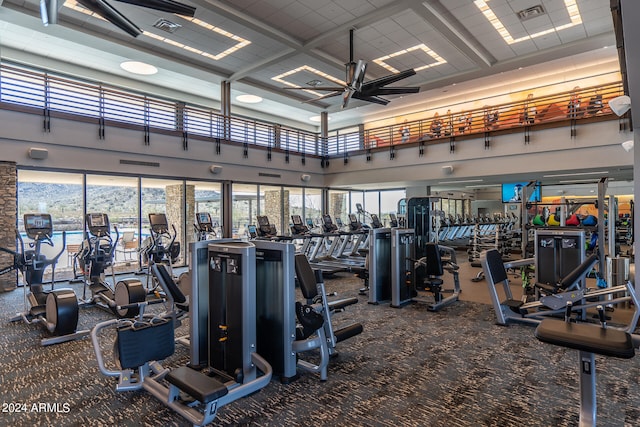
[166,25]
[531,12]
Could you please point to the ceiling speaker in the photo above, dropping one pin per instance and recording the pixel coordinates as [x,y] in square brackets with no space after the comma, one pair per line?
[620,105]
[38,153]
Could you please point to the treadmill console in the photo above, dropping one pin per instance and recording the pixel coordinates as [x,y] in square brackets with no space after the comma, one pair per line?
[327,224]
[375,221]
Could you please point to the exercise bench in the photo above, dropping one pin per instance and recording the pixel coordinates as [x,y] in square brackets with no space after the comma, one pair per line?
[589,340]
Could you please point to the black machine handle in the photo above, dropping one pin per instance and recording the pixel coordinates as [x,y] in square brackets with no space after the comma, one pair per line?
[114,242]
[175,234]
[54,260]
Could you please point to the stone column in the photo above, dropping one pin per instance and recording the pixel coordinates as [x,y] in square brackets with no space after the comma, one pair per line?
[272,208]
[8,219]
[176,215]
[337,204]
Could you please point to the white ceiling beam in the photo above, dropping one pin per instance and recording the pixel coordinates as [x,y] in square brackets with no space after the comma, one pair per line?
[309,47]
[452,30]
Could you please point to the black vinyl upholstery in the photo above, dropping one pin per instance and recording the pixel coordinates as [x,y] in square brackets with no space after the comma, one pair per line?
[586,337]
[434,261]
[306,276]
[495,266]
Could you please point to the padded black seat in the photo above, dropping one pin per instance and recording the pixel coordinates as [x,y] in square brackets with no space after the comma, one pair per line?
[433,267]
[308,278]
[586,337]
[196,384]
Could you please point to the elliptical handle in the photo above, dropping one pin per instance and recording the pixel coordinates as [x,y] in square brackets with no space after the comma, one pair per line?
[19,237]
[114,242]
[175,234]
[54,260]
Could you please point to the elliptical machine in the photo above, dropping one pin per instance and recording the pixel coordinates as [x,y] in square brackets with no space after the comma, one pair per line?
[160,248]
[205,228]
[56,309]
[95,256]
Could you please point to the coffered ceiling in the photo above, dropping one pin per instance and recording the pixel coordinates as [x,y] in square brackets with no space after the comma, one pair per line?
[263,46]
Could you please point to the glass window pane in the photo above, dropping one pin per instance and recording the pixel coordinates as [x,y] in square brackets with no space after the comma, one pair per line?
[165,196]
[117,196]
[244,199]
[389,203]
[357,198]
[61,196]
[293,205]
[372,203]
[208,199]
[313,203]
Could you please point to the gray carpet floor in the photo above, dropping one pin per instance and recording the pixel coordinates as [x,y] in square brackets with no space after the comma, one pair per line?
[409,367]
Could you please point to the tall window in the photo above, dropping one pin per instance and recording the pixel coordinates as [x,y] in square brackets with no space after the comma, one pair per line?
[207,197]
[312,203]
[165,196]
[389,202]
[117,196]
[357,198]
[61,196]
[244,199]
[293,205]
[372,203]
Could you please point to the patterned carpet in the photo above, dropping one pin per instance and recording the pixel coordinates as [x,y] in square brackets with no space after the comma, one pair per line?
[409,367]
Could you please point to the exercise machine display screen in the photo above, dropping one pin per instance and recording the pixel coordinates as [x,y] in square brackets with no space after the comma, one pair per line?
[203,218]
[38,225]
[296,219]
[98,224]
[97,220]
[159,223]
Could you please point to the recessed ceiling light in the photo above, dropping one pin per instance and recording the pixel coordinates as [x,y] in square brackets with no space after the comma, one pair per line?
[317,118]
[249,99]
[137,67]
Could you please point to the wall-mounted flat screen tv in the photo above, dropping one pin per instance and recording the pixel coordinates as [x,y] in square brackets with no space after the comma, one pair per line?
[512,193]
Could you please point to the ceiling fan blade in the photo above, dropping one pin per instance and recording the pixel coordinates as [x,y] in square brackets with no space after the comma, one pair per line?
[358,75]
[328,95]
[392,78]
[164,6]
[109,13]
[394,90]
[325,89]
[370,98]
[346,96]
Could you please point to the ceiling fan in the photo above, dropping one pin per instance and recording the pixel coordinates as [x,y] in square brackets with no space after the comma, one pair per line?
[356,87]
[49,11]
